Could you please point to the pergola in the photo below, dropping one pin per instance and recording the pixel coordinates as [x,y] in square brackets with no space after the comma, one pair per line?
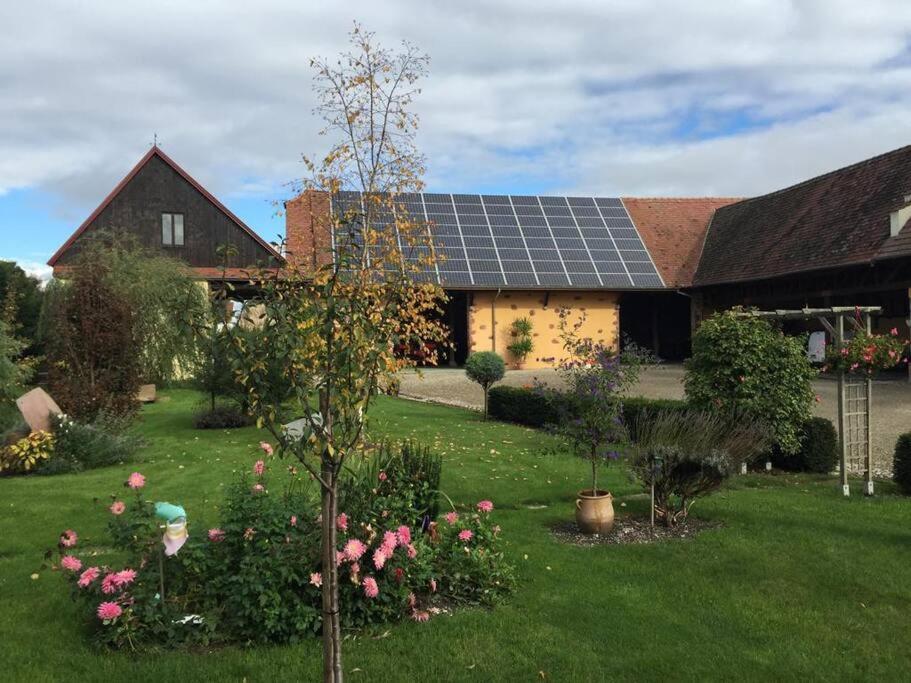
[855,394]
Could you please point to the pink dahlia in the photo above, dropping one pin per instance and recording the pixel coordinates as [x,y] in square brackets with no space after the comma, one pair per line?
[451,517]
[403,533]
[109,584]
[465,535]
[109,610]
[266,447]
[485,506]
[412,551]
[390,541]
[355,568]
[259,467]
[341,522]
[258,488]
[379,558]
[412,601]
[371,590]
[124,577]
[433,585]
[71,563]
[339,557]
[383,476]
[136,481]
[293,520]
[420,615]
[354,549]
[316,579]
[68,538]
[88,576]
[117,507]
[216,535]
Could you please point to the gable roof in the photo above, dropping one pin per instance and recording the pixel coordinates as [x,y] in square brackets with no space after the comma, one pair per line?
[673,229]
[156,151]
[837,219]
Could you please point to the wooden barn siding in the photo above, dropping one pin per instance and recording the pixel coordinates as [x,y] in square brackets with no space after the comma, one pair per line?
[158,189]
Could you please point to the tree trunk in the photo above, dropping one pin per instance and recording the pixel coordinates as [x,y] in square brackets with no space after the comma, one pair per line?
[332,633]
[486,389]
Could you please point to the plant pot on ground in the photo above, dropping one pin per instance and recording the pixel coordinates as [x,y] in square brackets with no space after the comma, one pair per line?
[595,511]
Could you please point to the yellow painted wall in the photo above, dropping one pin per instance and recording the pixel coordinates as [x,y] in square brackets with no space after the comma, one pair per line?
[490,318]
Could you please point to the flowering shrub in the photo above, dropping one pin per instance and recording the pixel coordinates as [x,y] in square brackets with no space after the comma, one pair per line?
[256,577]
[27,454]
[743,364]
[866,354]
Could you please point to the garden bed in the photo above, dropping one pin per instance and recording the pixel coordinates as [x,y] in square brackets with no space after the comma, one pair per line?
[631,530]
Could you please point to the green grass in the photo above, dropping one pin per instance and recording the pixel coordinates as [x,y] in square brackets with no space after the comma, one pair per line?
[798,583]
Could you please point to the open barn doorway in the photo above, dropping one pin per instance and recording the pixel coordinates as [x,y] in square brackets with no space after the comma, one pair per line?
[659,321]
[455,317]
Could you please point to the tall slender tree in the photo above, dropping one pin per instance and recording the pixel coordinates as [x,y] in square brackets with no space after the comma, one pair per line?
[334,327]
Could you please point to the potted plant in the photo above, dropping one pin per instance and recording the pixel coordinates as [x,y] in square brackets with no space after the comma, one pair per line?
[522,343]
[591,421]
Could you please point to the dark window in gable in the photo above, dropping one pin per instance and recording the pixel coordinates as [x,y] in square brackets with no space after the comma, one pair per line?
[172,229]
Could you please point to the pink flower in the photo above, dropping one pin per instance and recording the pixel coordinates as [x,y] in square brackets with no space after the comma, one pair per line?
[433,585]
[355,568]
[249,533]
[259,467]
[371,590]
[216,535]
[451,517]
[420,615]
[117,507]
[339,557]
[379,558]
[258,488]
[485,506]
[341,522]
[88,576]
[894,331]
[412,551]
[71,563]
[124,577]
[316,579]
[465,535]
[68,538]
[266,447]
[383,476]
[354,549]
[136,481]
[412,601]
[109,610]
[390,541]
[109,584]
[293,520]
[403,533]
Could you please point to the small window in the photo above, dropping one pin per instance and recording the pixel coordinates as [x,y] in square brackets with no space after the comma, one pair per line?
[172,229]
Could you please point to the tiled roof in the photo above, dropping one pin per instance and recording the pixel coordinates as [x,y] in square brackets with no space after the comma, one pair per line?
[673,229]
[837,219]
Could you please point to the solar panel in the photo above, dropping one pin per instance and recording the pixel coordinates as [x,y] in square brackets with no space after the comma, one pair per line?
[518,241]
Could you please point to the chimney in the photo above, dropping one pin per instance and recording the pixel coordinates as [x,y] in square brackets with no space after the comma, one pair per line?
[897,219]
[307,238]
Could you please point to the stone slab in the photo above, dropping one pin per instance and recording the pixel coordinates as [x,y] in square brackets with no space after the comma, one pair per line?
[37,407]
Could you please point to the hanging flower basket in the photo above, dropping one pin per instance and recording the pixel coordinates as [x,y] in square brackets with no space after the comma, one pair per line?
[866,354]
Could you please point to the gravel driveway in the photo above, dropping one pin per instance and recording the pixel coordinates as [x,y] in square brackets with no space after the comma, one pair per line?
[891,398]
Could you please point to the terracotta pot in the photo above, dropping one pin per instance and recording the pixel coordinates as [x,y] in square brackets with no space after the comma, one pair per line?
[518,365]
[595,513]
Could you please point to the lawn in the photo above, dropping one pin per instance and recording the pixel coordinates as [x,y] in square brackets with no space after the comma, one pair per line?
[798,583]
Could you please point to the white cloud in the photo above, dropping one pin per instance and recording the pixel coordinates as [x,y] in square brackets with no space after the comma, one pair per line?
[626,97]
[41,271]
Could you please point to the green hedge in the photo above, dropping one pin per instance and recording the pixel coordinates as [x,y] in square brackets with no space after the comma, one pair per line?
[818,449]
[536,409]
[901,465]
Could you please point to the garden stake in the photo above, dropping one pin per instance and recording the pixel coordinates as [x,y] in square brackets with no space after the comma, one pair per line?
[161,574]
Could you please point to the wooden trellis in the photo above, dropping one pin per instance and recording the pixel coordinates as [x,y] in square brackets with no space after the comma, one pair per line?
[855,394]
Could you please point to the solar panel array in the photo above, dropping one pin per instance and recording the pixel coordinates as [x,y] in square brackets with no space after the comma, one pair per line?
[527,242]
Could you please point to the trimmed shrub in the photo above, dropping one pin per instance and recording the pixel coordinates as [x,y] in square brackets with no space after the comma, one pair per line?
[901,464]
[485,368]
[818,449]
[523,406]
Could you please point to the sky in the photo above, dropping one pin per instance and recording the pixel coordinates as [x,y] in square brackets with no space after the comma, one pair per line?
[592,97]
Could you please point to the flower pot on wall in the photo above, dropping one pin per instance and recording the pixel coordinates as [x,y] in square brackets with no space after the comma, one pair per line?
[595,511]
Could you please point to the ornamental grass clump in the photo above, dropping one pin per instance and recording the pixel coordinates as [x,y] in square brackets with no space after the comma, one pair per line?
[689,454]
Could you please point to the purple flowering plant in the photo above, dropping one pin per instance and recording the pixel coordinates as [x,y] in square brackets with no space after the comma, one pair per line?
[596,378]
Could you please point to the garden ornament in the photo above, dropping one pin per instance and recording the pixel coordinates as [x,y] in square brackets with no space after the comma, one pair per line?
[175,534]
